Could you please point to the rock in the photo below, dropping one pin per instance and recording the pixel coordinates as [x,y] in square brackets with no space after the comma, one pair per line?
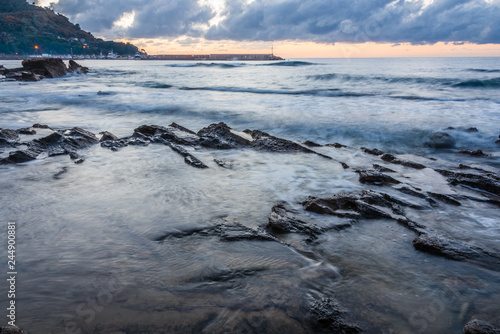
[444,198]
[476,153]
[114,145]
[437,244]
[383,169]
[375,178]
[30,76]
[441,140]
[65,142]
[336,145]
[14,75]
[477,326]
[219,136]
[188,157]
[11,330]
[372,151]
[78,159]
[327,314]
[282,220]
[471,129]
[47,67]
[41,126]
[309,143]
[9,135]
[487,182]
[107,136]
[175,134]
[74,67]
[392,159]
[224,163]
[19,157]
[26,131]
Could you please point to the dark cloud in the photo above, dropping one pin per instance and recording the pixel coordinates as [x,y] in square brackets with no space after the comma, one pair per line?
[325,21]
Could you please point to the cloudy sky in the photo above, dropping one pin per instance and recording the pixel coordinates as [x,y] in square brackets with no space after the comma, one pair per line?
[296,28]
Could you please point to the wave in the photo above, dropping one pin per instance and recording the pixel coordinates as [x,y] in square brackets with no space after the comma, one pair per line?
[219,65]
[476,83]
[312,92]
[290,63]
[482,70]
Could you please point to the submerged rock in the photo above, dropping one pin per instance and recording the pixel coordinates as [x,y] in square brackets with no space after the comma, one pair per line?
[477,326]
[188,157]
[376,178]
[392,159]
[282,220]
[476,153]
[487,181]
[372,151]
[441,140]
[327,315]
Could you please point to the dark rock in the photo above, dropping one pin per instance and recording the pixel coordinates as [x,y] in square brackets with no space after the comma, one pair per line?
[412,192]
[30,76]
[74,67]
[445,198]
[219,136]
[9,135]
[441,140]
[175,134]
[47,67]
[477,326]
[309,143]
[103,93]
[40,126]
[282,220]
[376,178]
[223,163]
[392,159]
[114,145]
[336,145]
[11,330]
[107,136]
[471,129]
[19,157]
[14,75]
[188,157]
[434,243]
[26,131]
[78,159]
[372,151]
[383,169]
[476,153]
[344,165]
[327,314]
[64,142]
[487,182]
[180,127]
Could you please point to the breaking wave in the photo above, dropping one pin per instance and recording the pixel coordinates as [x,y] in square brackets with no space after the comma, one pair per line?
[313,92]
[476,83]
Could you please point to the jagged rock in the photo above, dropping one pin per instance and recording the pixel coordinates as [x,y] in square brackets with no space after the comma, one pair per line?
[40,126]
[26,131]
[78,159]
[471,129]
[47,67]
[383,169]
[488,182]
[11,330]
[107,136]
[9,135]
[74,67]
[412,192]
[336,145]
[444,198]
[65,142]
[114,145]
[392,159]
[309,143]
[477,326]
[223,163]
[476,153]
[175,134]
[372,151]
[441,140]
[30,76]
[375,178]
[219,136]
[19,157]
[282,220]
[188,157]
[435,243]
[328,315]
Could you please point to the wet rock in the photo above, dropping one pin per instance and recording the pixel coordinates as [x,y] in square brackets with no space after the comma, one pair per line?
[40,126]
[11,330]
[19,157]
[14,76]
[471,129]
[188,157]
[47,67]
[282,220]
[65,142]
[372,151]
[309,143]
[415,193]
[444,198]
[336,145]
[435,243]
[224,163]
[392,159]
[375,178]
[344,165]
[181,128]
[30,76]
[107,136]
[114,145]
[477,326]
[476,153]
[74,67]
[8,138]
[441,140]
[78,159]
[383,169]
[175,134]
[487,182]
[26,131]
[328,315]
[219,136]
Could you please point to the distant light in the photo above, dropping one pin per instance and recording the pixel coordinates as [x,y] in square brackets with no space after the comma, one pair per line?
[36,47]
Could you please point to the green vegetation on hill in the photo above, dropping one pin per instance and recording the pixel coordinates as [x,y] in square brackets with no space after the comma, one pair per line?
[24,26]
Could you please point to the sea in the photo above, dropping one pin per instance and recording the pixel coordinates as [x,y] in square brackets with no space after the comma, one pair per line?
[88,255]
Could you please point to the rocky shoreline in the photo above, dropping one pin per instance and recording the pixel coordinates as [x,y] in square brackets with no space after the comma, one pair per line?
[41,68]
[388,194]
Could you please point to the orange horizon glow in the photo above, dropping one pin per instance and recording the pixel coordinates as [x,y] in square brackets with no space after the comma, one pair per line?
[294,49]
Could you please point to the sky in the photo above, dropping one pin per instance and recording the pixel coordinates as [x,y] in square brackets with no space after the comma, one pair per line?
[295,28]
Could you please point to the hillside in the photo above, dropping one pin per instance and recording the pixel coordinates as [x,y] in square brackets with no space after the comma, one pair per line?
[24,26]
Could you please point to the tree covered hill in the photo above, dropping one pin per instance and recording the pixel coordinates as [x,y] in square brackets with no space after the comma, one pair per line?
[24,26]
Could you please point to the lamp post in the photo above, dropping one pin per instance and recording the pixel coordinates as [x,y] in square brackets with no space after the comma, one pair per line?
[36,50]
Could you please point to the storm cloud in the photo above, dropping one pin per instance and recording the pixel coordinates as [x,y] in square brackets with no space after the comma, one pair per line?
[324,21]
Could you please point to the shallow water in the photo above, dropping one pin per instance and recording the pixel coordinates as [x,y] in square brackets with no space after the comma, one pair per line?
[87,257]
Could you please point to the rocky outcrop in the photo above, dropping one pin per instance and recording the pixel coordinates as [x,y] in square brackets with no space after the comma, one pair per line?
[478,326]
[486,181]
[11,330]
[328,316]
[40,68]
[376,178]
[282,220]
[476,153]
[392,159]
[219,136]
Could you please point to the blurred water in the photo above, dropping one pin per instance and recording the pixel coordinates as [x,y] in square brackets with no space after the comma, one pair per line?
[88,261]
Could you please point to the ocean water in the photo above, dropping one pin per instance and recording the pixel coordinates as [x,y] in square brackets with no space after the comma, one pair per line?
[88,259]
